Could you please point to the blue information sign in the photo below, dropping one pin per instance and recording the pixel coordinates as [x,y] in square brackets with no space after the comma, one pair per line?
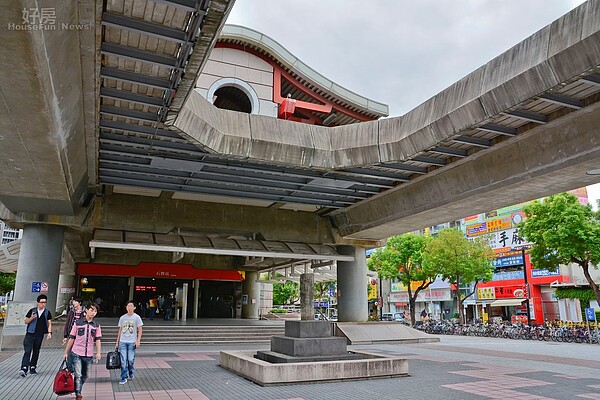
[36,287]
[590,315]
[507,261]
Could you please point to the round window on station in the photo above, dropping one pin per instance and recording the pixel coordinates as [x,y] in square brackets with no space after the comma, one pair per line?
[232,98]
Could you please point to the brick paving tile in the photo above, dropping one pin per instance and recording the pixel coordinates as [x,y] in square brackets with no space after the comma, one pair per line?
[464,373]
[530,357]
[565,376]
[129,396]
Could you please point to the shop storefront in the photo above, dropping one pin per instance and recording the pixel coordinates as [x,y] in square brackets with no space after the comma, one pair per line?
[436,300]
[218,291]
[506,299]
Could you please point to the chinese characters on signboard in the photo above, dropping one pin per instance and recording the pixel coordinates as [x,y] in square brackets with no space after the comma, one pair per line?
[426,295]
[486,293]
[502,292]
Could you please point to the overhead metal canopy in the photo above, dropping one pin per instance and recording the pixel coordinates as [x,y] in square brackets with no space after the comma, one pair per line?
[293,273]
[201,244]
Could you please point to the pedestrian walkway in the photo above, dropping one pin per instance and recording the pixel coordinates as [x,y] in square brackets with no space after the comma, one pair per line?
[455,368]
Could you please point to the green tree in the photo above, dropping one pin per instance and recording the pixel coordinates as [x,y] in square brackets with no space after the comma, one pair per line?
[287,292]
[563,231]
[7,282]
[402,259]
[460,261]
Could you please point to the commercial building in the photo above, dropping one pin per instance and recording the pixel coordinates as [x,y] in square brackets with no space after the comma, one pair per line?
[8,234]
[505,296]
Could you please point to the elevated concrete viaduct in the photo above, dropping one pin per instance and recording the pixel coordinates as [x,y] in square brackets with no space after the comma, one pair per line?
[105,141]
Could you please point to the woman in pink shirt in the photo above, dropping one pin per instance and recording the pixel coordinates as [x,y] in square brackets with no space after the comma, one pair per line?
[84,336]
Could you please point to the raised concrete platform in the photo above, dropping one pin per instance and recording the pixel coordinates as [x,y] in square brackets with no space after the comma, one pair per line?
[306,341]
[302,347]
[264,373]
[307,329]
[276,357]
[309,353]
[380,332]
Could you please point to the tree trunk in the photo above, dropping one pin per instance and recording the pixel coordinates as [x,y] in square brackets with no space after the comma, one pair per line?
[411,305]
[412,298]
[461,311]
[585,266]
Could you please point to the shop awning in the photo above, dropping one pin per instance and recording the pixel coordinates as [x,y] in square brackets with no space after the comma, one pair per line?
[506,302]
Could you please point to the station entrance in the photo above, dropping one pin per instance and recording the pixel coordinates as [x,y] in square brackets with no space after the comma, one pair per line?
[218,293]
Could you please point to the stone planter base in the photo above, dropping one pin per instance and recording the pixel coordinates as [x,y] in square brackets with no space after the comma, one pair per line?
[264,373]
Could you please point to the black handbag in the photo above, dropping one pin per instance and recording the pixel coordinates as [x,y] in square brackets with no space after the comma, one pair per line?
[113,360]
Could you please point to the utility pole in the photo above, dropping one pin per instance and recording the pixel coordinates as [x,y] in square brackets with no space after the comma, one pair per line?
[527,297]
[380,299]
[525,279]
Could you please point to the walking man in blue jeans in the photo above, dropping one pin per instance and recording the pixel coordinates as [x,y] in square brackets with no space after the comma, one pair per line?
[128,340]
[84,336]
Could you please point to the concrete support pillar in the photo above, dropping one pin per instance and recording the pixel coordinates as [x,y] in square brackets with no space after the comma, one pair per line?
[196,297]
[307,297]
[39,261]
[251,291]
[131,292]
[185,303]
[352,285]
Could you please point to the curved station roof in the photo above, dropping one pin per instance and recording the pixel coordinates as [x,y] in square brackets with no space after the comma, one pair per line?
[313,81]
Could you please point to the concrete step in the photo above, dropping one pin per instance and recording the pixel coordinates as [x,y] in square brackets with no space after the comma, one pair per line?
[192,333]
[194,342]
[202,329]
[199,335]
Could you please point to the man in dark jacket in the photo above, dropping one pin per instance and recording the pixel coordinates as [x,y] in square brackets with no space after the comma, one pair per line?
[168,307]
[72,317]
[39,323]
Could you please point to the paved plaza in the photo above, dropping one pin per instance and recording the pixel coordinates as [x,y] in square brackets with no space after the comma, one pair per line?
[455,368]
